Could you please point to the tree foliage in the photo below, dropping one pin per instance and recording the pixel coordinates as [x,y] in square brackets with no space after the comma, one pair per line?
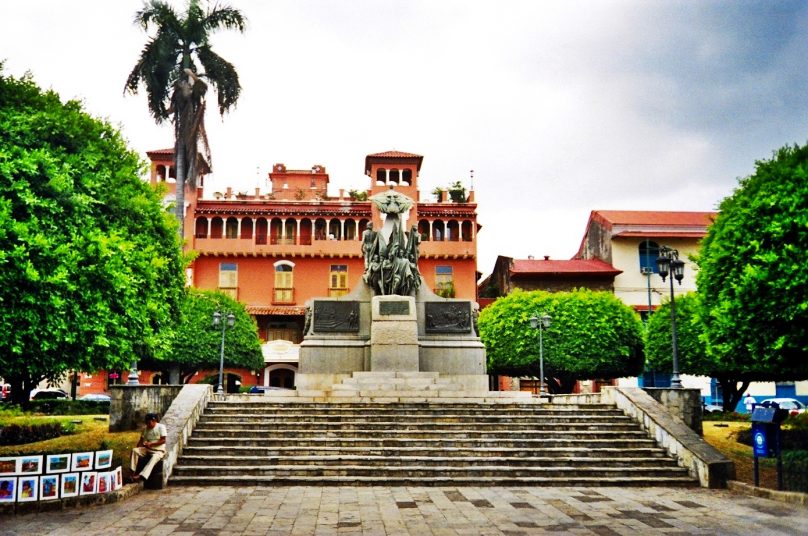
[752,275]
[197,343]
[692,351]
[91,272]
[593,335]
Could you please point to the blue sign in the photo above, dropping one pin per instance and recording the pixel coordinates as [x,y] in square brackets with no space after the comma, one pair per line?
[759,444]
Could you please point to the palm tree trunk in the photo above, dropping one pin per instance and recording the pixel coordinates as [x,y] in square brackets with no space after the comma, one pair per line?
[179,162]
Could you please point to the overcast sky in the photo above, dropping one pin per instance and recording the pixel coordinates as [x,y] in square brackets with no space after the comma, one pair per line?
[558,107]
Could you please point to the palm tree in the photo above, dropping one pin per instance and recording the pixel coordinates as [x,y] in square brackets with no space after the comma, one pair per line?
[176,88]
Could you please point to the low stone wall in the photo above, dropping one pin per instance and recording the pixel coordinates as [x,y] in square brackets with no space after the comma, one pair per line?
[131,403]
[180,420]
[683,404]
[701,459]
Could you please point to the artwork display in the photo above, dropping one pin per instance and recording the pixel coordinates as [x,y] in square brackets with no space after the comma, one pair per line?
[57,463]
[82,461]
[103,459]
[48,487]
[52,480]
[70,485]
[28,489]
[8,488]
[31,465]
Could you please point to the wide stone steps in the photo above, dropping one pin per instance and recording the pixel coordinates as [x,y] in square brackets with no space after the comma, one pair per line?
[478,453]
[250,441]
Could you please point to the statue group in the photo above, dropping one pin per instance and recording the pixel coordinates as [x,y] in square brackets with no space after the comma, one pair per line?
[391,258]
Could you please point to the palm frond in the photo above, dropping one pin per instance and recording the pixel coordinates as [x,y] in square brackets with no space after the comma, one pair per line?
[222,76]
[226,17]
[157,13]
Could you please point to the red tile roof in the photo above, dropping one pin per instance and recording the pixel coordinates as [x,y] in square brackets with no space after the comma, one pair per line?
[394,154]
[654,217]
[275,310]
[564,267]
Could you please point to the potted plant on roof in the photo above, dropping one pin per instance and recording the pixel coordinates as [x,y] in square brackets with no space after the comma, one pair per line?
[457,192]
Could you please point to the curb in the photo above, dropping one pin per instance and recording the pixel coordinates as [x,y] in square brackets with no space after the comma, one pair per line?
[791,497]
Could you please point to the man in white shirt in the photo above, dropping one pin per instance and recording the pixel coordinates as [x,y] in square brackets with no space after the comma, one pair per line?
[152,443]
[749,401]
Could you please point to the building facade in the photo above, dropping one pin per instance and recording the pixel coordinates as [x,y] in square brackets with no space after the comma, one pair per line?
[274,250]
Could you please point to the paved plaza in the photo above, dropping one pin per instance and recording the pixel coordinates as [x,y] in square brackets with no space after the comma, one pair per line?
[420,511]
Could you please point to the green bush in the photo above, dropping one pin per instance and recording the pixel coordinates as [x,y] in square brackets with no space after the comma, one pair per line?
[733,416]
[70,407]
[790,438]
[17,434]
[795,470]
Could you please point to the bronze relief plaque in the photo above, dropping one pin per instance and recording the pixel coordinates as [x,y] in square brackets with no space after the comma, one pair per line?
[336,316]
[447,317]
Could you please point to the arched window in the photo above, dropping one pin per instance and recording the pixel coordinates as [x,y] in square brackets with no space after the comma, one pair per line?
[231,228]
[201,228]
[649,252]
[284,291]
[247,228]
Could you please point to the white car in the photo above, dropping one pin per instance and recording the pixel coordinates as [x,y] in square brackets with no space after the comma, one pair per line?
[98,397]
[48,394]
[793,406]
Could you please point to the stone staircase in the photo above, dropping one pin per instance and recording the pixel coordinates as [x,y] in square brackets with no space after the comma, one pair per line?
[258,441]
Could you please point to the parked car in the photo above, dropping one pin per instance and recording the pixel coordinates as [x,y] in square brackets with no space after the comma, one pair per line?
[48,394]
[713,408]
[97,397]
[793,406]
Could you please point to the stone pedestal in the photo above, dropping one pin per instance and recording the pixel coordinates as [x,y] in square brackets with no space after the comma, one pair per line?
[393,334]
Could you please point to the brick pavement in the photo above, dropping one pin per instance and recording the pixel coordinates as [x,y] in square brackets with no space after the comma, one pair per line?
[204,511]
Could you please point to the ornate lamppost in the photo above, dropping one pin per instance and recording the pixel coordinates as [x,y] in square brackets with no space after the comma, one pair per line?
[541,324]
[217,320]
[670,263]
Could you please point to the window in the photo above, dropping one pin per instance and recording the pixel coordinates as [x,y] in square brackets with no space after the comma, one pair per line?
[284,283]
[228,279]
[649,252]
[444,281]
[338,280]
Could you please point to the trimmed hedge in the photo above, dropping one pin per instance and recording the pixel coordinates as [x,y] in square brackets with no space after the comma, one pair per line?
[69,407]
[16,434]
[795,470]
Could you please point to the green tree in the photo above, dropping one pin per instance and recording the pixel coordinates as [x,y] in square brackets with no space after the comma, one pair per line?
[593,335]
[752,275]
[91,270]
[692,351]
[197,343]
[169,69]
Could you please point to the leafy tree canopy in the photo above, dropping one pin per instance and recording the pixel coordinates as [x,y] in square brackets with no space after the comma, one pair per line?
[91,271]
[752,275]
[592,335]
[197,343]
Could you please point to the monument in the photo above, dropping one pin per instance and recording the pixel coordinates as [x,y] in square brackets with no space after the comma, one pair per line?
[391,323]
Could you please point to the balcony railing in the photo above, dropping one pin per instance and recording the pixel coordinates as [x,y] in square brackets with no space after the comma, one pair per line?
[283,296]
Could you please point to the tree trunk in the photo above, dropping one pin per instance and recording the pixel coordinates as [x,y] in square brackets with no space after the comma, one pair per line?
[180,164]
[731,393]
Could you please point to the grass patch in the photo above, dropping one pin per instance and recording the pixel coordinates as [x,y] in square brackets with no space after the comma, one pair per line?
[723,436]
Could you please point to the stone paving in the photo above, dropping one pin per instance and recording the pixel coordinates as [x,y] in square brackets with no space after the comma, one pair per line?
[203,511]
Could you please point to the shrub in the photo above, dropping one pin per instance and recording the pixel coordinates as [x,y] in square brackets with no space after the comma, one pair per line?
[70,407]
[16,434]
[795,470]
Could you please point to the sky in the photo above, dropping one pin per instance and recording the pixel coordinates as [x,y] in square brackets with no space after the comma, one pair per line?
[558,107]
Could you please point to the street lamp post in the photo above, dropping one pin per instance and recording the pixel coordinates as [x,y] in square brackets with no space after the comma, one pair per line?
[541,324]
[217,320]
[669,263]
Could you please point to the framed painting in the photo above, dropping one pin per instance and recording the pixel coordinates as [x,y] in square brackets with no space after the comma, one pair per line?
[89,482]
[48,487]
[104,482]
[31,465]
[9,465]
[103,459]
[117,478]
[70,485]
[82,461]
[8,489]
[27,488]
[57,463]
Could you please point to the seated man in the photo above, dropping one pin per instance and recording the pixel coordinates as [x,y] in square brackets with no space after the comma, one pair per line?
[152,443]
